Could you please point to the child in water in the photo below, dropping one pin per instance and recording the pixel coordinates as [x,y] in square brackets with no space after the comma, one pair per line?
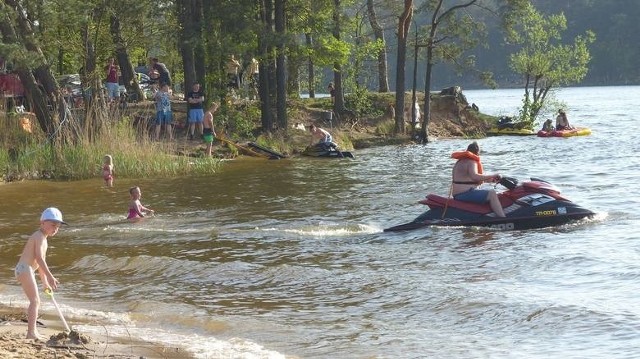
[136,209]
[107,170]
[34,258]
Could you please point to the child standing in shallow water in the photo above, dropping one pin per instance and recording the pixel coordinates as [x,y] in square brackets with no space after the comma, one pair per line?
[107,170]
[33,258]
[136,209]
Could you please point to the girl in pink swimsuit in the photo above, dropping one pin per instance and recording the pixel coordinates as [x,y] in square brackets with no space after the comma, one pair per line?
[107,170]
[136,209]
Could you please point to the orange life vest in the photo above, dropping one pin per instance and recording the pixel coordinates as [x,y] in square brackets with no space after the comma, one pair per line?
[468,155]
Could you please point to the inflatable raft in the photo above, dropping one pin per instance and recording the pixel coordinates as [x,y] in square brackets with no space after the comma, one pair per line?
[578,131]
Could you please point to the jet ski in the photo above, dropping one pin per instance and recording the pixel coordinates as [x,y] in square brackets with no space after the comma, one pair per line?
[527,205]
[326,150]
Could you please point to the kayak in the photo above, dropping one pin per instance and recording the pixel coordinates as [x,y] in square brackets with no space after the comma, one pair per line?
[506,131]
[578,131]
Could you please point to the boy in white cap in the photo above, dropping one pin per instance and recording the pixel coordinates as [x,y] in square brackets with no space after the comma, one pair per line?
[32,259]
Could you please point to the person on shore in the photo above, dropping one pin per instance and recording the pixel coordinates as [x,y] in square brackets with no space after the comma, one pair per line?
[159,72]
[467,176]
[320,136]
[208,130]
[233,71]
[107,170]
[33,258]
[253,74]
[136,209]
[195,116]
[562,122]
[163,112]
[113,88]
[332,92]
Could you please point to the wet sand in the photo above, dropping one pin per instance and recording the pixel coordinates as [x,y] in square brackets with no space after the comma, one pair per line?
[56,343]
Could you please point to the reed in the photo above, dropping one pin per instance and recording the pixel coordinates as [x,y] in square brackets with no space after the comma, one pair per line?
[31,156]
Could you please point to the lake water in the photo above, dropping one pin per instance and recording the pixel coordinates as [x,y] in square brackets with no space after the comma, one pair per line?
[275,259]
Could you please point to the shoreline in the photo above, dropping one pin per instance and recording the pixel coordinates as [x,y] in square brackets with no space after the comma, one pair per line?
[58,344]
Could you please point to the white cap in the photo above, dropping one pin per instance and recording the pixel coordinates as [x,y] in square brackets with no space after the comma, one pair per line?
[52,214]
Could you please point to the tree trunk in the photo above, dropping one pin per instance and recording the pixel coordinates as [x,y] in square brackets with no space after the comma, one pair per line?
[281,70]
[403,31]
[310,69]
[41,87]
[294,62]
[186,42]
[264,87]
[424,131]
[198,48]
[124,62]
[378,33]
[338,103]
[95,107]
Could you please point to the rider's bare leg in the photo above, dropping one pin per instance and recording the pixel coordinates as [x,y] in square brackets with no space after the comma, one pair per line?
[494,202]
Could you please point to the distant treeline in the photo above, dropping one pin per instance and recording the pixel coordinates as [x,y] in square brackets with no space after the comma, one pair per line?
[615,53]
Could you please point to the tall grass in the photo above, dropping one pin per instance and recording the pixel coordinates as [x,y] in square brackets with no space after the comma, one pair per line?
[31,155]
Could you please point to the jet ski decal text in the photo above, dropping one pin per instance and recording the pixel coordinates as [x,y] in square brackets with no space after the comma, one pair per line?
[551,212]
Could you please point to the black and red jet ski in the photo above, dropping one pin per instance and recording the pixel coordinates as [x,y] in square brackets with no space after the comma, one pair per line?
[527,205]
[326,150]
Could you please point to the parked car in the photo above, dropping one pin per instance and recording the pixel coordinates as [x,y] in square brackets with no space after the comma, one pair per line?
[145,83]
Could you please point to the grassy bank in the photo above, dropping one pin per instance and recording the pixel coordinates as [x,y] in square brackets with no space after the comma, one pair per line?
[26,155]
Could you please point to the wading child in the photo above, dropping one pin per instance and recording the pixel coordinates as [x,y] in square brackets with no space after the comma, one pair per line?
[136,209]
[33,258]
[208,131]
[107,170]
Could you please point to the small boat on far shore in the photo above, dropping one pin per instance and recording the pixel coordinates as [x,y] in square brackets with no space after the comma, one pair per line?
[506,127]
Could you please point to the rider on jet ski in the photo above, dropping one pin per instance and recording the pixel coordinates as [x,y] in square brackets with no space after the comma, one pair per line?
[322,136]
[467,177]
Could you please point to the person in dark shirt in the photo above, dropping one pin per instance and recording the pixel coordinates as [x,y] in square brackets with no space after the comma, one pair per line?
[195,116]
[332,92]
[159,72]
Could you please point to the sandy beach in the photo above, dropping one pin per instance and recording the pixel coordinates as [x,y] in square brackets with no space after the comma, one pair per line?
[56,343]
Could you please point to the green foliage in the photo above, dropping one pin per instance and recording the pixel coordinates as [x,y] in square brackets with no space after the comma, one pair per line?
[361,102]
[238,120]
[386,128]
[329,50]
[544,60]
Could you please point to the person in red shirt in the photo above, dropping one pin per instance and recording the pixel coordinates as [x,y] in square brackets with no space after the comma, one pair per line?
[113,89]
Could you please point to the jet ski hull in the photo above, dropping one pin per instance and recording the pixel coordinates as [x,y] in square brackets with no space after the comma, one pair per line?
[524,209]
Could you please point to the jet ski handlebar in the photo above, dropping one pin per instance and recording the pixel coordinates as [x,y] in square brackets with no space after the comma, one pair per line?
[508,182]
